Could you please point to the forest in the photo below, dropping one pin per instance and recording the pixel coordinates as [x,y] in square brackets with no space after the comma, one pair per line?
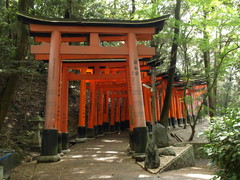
[205,36]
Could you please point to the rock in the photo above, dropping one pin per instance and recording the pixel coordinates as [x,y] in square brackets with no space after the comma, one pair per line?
[152,159]
[166,152]
[161,136]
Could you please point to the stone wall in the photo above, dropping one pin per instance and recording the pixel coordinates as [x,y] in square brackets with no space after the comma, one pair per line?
[184,159]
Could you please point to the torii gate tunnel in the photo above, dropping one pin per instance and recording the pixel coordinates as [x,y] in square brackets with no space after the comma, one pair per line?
[75,51]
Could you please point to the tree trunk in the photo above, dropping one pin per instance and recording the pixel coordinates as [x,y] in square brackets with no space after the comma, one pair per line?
[7,92]
[171,71]
[7,4]
[228,91]
[206,58]
[133,9]
[153,76]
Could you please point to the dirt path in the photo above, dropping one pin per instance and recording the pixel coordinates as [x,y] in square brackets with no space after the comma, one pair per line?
[102,158]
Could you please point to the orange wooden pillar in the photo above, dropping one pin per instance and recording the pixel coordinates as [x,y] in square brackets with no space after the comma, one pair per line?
[137,107]
[64,111]
[59,110]
[127,114]
[161,101]
[106,123]
[198,99]
[130,102]
[147,108]
[112,121]
[123,113]
[182,113]
[118,113]
[81,129]
[49,150]
[145,97]
[130,112]
[174,109]
[183,109]
[179,109]
[100,112]
[92,110]
[195,95]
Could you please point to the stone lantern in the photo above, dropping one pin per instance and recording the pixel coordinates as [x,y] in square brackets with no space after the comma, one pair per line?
[37,127]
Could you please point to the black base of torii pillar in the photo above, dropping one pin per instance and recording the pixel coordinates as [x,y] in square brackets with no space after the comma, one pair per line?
[49,151]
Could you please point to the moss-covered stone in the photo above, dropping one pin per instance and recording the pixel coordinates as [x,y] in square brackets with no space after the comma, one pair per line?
[152,159]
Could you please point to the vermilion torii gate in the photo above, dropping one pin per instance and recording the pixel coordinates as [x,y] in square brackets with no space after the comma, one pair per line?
[61,41]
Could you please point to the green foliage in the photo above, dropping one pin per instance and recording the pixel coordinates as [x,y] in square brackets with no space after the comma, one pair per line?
[7,36]
[224,146]
[83,9]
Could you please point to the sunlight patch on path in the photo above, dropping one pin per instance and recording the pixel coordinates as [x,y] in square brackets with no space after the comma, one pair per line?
[111,141]
[200,176]
[143,176]
[107,159]
[101,177]
[76,156]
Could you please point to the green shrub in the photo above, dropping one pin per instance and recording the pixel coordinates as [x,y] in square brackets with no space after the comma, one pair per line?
[224,147]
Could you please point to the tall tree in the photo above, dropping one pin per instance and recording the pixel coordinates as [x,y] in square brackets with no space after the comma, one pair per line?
[10,82]
[133,8]
[206,58]
[171,71]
